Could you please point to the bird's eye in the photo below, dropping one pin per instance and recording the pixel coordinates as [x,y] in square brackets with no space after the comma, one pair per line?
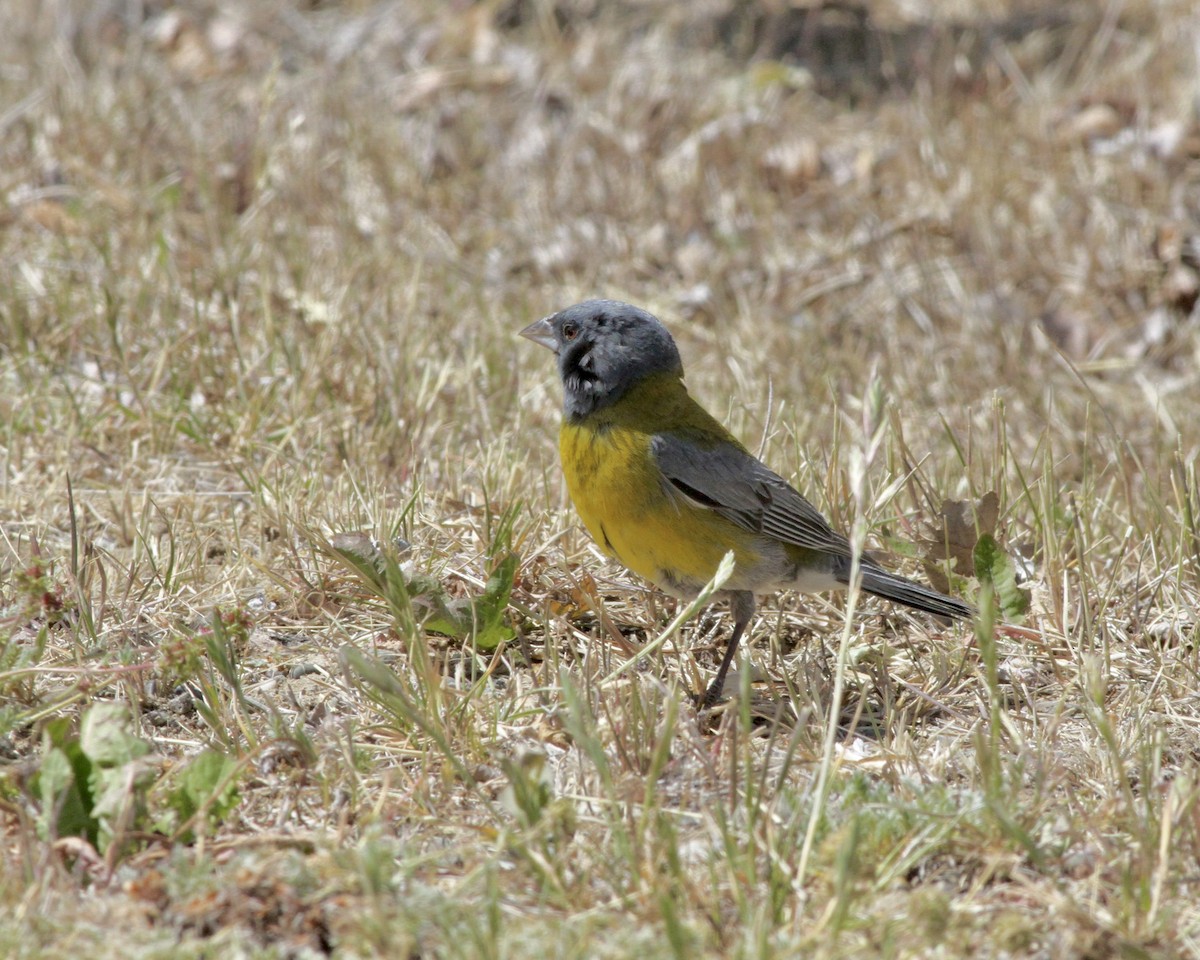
[570,331]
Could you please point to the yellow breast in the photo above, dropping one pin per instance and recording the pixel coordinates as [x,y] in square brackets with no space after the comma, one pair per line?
[620,496]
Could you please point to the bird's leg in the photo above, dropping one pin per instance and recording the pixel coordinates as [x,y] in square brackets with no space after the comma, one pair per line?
[713,693]
[741,605]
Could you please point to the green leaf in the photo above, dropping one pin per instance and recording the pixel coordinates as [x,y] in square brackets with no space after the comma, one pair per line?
[530,786]
[416,598]
[117,778]
[481,618]
[363,556]
[221,652]
[106,736]
[61,786]
[451,619]
[490,628]
[86,783]
[208,786]
[379,677]
[993,565]
[119,798]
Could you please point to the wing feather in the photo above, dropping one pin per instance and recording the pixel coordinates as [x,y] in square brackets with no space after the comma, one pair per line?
[728,479]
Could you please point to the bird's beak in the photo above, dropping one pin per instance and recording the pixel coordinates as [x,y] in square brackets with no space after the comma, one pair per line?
[541,331]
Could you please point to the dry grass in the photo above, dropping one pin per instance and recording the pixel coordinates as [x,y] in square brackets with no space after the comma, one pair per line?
[262,272]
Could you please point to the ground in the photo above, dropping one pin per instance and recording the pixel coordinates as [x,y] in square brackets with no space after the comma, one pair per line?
[302,650]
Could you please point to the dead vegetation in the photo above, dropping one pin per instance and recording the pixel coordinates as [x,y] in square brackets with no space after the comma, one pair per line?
[271,450]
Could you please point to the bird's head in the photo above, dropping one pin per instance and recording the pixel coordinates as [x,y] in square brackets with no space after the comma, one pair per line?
[604,347]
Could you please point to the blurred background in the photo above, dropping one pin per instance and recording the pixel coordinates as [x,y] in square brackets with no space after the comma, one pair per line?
[262,267]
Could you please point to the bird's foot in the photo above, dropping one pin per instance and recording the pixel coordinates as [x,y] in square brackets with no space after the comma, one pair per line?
[708,699]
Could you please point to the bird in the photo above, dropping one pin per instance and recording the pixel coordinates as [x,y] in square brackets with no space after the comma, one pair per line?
[665,489]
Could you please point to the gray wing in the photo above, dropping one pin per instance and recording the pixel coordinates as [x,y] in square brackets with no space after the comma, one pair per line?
[727,479]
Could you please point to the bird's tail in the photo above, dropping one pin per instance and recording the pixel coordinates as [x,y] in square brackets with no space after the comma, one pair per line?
[902,590]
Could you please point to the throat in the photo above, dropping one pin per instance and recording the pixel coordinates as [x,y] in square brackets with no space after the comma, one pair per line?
[648,404]
[584,394]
